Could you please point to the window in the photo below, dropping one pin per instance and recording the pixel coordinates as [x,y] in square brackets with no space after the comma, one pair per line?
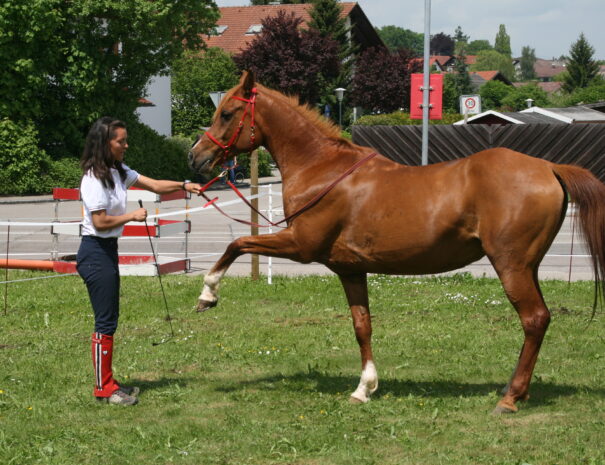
[255,29]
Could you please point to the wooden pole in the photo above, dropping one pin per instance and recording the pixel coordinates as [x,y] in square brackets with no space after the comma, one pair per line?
[255,273]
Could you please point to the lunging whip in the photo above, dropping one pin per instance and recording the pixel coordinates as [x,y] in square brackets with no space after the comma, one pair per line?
[157,266]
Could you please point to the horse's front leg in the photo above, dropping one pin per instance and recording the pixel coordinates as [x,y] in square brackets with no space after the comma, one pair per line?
[280,244]
[356,290]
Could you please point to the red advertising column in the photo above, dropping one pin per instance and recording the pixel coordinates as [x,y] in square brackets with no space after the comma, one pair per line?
[435,96]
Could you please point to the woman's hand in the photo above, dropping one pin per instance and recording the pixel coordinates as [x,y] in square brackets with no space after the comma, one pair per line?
[193,187]
[139,214]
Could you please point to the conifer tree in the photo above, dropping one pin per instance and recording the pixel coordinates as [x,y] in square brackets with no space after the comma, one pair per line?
[461,78]
[460,36]
[326,19]
[581,68]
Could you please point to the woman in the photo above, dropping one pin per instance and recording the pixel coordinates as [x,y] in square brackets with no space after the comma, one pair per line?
[103,191]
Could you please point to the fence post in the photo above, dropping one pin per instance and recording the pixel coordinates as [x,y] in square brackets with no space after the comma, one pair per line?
[254,273]
[270,259]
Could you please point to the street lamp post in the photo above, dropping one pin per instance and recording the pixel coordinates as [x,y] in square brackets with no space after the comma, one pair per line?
[339,95]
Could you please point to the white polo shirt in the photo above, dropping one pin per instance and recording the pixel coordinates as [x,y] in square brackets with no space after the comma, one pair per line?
[97,197]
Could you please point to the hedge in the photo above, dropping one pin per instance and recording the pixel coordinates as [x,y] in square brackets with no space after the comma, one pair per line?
[22,163]
[399,118]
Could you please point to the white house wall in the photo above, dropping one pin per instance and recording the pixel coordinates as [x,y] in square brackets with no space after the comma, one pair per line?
[158,116]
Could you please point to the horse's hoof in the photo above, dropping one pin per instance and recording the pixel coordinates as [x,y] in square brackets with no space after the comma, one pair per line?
[203,305]
[355,400]
[503,410]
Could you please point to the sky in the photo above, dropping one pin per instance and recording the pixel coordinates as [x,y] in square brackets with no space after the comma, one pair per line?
[548,26]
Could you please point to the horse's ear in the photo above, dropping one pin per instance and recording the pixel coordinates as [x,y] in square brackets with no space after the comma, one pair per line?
[247,82]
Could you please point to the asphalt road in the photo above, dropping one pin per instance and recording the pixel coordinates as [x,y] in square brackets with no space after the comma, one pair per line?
[212,232]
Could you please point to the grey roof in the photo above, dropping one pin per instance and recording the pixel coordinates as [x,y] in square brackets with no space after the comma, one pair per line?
[528,118]
[579,114]
[599,106]
[569,115]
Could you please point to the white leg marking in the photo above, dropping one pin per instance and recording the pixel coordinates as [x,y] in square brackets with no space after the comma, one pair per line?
[368,383]
[211,285]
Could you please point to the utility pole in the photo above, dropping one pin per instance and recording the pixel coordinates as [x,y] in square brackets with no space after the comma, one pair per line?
[426,83]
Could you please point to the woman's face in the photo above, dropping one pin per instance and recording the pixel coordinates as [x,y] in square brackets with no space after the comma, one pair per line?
[119,144]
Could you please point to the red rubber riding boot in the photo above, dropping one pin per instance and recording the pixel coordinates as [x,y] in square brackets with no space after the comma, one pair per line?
[102,351]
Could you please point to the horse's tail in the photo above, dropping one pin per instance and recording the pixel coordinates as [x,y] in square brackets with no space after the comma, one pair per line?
[588,194]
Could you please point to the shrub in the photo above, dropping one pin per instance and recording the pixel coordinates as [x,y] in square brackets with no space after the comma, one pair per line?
[399,118]
[492,93]
[156,156]
[516,98]
[264,163]
[22,163]
[64,172]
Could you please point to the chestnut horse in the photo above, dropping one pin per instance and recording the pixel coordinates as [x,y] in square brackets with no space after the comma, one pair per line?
[394,219]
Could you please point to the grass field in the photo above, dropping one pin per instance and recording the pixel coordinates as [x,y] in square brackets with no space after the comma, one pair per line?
[265,377]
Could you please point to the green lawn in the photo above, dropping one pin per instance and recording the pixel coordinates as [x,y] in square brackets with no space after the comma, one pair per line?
[265,376]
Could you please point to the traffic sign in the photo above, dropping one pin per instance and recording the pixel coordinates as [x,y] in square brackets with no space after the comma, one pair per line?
[470,104]
[217,97]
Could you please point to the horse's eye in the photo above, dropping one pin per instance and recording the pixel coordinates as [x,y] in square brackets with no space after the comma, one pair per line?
[225,115]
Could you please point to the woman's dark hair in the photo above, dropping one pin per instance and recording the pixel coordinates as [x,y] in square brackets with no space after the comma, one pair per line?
[97,156]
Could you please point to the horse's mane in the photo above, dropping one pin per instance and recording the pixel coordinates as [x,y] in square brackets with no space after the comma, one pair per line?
[312,115]
[327,127]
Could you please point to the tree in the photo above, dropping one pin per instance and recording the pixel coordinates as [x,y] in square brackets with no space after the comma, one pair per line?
[267,2]
[593,93]
[460,36]
[193,77]
[327,21]
[382,81]
[290,59]
[396,38]
[64,64]
[451,95]
[516,98]
[581,67]
[492,93]
[528,60]
[461,80]
[490,60]
[502,42]
[442,44]
[476,46]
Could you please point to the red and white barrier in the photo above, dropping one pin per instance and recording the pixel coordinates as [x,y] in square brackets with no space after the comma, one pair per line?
[132,265]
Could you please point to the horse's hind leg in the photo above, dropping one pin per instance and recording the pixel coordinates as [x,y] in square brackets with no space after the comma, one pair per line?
[356,290]
[524,293]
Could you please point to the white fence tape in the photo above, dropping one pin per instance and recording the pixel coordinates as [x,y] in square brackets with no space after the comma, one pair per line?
[71,225]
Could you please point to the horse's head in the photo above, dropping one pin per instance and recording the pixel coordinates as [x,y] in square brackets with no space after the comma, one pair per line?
[233,128]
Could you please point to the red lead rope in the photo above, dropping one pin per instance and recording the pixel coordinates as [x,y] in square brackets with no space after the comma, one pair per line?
[301,210]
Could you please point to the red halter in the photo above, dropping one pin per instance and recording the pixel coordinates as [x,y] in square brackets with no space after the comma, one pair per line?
[249,105]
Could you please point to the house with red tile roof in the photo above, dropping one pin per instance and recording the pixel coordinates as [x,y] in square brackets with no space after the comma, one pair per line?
[239,25]
[546,70]
[478,78]
[446,63]
[549,87]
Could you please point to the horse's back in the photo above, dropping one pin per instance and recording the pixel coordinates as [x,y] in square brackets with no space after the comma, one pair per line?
[447,215]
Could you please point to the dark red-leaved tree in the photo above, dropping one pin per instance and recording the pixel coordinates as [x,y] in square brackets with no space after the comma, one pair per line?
[290,59]
[442,44]
[382,80]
